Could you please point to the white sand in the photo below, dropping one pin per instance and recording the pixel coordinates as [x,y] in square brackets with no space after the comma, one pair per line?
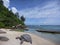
[13,34]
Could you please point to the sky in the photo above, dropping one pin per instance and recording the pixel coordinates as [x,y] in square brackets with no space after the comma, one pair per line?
[36,12]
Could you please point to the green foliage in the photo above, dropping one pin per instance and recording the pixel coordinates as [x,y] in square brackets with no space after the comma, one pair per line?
[7,18]
[2,25]
[17,15]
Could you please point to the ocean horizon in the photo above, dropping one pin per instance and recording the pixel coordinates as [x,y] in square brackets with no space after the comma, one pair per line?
[45,27]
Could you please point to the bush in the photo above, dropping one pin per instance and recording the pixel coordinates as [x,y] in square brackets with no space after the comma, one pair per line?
[2,25]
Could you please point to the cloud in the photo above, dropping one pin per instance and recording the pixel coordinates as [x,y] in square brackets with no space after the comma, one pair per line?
[50,11]
[14,10]
[52,21]
[38,12]
[6,3]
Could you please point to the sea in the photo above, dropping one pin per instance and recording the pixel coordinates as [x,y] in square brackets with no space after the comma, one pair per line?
[55,38]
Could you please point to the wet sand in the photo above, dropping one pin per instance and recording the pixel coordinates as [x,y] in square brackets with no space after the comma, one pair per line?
[36,40]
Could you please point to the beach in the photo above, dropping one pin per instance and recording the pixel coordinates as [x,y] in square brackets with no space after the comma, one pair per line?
[36,40]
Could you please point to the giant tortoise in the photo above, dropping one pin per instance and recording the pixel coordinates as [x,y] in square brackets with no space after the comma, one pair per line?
[25,37]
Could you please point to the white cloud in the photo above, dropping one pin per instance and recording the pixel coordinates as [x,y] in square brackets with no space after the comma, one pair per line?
[52,21]
[14,10]
[6,3]
[38,12]
[51,11]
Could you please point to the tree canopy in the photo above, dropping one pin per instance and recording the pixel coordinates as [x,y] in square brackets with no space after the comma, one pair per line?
[23,18]
[8,18]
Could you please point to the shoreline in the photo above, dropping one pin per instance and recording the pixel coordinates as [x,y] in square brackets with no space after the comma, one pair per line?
[13,34]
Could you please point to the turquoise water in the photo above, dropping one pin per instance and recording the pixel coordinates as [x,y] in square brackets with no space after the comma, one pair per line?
[45,27]
[55,38]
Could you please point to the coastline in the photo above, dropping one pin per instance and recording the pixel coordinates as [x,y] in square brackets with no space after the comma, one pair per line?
[13,34]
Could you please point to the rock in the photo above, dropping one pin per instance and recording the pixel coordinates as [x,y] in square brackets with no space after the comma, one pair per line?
[2,38]
[2,32]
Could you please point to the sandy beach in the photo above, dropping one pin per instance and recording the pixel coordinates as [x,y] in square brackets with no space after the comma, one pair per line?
[36,40]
